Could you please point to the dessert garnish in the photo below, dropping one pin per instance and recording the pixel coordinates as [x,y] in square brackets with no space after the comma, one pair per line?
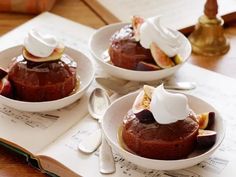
[163,42]
[5,85]
[152,31]
[161,125]
[146,45]
[136,24]
[3,73]
[39,48]
[206,138]
[206,120]
[168,107]
[160,57]
[165,107]
[141,106]
[144,66]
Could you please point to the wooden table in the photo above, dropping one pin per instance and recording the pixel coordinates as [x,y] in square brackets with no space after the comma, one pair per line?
[12,164]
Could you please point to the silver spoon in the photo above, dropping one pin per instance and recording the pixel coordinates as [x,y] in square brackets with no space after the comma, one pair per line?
[98,103]
[121,87]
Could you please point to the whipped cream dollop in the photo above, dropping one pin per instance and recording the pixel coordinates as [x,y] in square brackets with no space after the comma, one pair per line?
[168,40]
[168,107]
[40,45]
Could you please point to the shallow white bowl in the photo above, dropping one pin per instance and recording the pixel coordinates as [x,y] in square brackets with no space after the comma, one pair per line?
[112,122]
[85,71]
[99,43]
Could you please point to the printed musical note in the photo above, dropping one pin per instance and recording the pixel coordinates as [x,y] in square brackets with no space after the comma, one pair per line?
[214,165]
[181,173]
[77,138]
[130,169]
[34,120]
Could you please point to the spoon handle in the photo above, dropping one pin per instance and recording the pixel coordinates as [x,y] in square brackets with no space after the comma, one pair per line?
[106,160]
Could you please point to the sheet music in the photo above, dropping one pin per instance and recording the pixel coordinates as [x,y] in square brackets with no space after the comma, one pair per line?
[214,164]
[214,88]
[33,120]
[220,164]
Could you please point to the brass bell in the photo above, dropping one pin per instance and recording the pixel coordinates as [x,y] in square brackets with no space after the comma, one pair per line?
[208,37]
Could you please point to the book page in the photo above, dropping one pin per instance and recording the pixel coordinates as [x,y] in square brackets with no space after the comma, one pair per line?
[176,14]
[52,141]
[33,131]
[216,89]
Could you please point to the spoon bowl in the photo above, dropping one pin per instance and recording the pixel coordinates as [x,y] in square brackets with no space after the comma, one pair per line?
[98,103]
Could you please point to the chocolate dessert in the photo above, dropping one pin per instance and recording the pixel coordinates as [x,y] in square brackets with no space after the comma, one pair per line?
[161,125]
[160,141]
[42,81]
[42,72]
[125,52]
[144,45]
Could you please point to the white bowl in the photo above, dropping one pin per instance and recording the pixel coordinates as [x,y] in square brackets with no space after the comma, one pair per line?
[112,122]
[99,43]
[85,71]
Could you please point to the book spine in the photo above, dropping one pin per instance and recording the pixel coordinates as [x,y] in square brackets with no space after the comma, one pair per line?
[32,161]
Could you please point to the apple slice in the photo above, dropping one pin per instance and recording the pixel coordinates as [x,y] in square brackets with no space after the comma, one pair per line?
[3,73]
[206,138]
[160,57]
[56,55]
[144,66]
[6,88]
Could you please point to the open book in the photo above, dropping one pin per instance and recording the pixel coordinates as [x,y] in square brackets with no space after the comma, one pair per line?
[181,14]
[32,133]
[49,140]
